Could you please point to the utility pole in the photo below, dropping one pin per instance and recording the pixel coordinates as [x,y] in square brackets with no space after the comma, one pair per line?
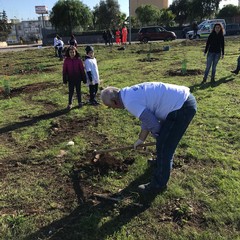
[130,23]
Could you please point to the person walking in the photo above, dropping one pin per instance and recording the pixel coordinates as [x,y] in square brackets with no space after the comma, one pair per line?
[124,35]
[105,37]
[91,68]
[195,29]
[236,71]
[60,45]
[73,74]
[110,36]
[214,50]
[72,41]
[118,37]
[166,111]
[55,42]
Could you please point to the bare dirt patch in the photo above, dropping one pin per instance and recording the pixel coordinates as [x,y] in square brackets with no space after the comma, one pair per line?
[149,59]
[188,72]
[31,89]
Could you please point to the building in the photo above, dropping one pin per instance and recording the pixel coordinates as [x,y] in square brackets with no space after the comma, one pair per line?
[30,30]
[134,4]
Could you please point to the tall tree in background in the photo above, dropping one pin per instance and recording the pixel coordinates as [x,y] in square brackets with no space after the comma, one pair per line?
[67,15]
[5,27]
[147,14]
[228,12]
[107,14]
[166,18]
[180,8]
[201,9]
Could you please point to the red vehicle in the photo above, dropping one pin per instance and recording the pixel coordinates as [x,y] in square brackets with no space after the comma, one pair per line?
[155,33]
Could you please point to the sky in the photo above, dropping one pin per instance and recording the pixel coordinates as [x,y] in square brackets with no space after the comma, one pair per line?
[25,9]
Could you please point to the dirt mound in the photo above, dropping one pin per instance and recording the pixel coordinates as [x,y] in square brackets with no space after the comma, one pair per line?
[105,162]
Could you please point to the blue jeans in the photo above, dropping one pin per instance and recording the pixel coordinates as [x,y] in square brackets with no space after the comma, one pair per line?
[171,133]
[212,60]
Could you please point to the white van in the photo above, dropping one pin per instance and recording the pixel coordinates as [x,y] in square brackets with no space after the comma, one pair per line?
[206,27]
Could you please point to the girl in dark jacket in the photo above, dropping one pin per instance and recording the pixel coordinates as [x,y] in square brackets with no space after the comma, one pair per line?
[214,50]
[73,74]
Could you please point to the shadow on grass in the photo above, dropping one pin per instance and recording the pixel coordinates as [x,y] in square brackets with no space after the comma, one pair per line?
[200,86]
[32,121]
[87,221]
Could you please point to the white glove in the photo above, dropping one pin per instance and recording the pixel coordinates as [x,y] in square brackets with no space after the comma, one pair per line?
[137,143]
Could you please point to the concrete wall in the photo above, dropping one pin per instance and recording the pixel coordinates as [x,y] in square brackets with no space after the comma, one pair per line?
[91,38]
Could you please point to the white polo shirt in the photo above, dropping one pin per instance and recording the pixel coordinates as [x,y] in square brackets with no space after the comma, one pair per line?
[160,98]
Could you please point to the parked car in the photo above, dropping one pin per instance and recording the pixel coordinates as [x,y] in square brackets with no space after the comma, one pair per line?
[232,29]
[153,33]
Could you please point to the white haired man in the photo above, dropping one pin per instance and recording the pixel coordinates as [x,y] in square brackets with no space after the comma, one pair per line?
[165,110]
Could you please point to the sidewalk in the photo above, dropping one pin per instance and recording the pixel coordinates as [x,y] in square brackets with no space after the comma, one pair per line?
[4,46]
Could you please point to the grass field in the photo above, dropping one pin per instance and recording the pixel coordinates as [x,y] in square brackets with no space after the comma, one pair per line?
[50,190]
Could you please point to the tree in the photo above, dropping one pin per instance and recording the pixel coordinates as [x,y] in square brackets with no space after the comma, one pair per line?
[201,9]
[67,15]
[107,14]
[166,18]
[180,8]
[5,27]
[147,14]
[228,12]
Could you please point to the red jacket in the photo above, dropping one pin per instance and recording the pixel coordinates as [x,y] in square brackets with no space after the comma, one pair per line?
[73,70]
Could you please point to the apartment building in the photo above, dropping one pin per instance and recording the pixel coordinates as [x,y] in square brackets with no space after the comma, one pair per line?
[28,30]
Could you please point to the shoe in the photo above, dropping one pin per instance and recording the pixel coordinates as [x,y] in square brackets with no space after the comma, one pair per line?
[69,106]
[235,72]
[212,80]
[95,102]
[149,188]
[204,80]
[80,105]
[152,162]
[91,102]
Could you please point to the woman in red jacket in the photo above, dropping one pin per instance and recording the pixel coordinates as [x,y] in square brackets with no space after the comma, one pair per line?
[73,74]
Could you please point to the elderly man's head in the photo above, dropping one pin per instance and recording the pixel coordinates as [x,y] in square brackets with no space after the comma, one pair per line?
[111,98]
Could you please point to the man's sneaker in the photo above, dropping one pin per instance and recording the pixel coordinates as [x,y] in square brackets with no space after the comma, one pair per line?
[149,188]
[80,105]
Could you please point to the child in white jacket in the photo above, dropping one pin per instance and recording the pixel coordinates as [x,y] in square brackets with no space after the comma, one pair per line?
[92,74]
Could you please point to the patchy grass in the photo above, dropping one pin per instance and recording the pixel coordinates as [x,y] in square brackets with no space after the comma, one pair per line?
[52,190]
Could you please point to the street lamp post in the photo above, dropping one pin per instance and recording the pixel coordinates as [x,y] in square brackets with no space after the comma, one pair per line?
[130,24]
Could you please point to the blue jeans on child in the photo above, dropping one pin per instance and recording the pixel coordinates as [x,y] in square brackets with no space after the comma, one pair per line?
[171,133]
[212,60]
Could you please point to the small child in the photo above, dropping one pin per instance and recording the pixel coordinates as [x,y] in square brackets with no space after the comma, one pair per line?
[92,74]
[73,74]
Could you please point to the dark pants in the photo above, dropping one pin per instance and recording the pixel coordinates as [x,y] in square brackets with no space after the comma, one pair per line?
[60,55]
[71,86]
[93,91]
[56,51]
[171,133]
